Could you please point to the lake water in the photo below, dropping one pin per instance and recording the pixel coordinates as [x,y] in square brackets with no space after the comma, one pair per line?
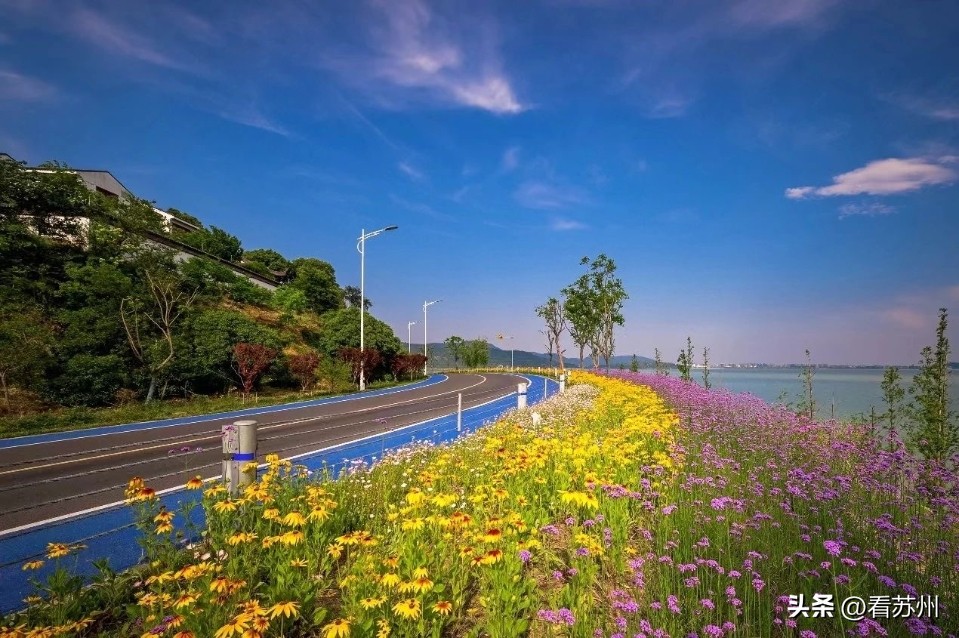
[847,391]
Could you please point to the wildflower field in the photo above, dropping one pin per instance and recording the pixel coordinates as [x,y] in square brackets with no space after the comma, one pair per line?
[632,506]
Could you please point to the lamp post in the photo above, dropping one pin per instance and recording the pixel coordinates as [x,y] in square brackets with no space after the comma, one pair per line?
[361,247]
[426,304]
[510,337]
[409,336]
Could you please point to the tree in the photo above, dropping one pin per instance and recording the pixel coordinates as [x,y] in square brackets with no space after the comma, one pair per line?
[594,304]
[290,301]
[580,314]
[634,364]
[317,280]
[209,335]
[936,432]
[25,344]
[685,361]
[660,366]
[408,364]
[455,345]
[149,319]
[341,329]
[894,396]
[807,405]
[269,259]
[352,294]
[476,353]
[554,315]
[250,361]
[706,383]
[370,360]
[214,241]
[303,367]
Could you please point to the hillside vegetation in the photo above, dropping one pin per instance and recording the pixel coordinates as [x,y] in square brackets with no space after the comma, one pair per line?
[99,308]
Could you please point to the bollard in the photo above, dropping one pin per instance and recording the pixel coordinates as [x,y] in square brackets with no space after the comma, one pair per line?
[562,382]
[459,412]
[247,452]
[231,445]
[521,396]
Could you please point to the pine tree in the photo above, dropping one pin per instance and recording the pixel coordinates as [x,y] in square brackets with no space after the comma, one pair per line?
[936,432]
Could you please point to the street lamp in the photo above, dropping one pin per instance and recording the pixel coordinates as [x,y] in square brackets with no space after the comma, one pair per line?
[361,247]
[409,336]
[426,304]
[510,337]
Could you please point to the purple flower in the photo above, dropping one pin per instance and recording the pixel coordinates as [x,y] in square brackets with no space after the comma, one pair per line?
[707,603]
[582,551]
[805,633]
[524,556]
[692,581]
[673,603]
[833,547]
[888,582]
[758,584]
[713,631]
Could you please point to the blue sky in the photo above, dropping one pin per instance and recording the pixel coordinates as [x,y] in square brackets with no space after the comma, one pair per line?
[768,176]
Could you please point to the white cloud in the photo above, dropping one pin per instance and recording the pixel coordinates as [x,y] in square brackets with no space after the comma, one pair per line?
[561,224]
[547,195]
[868,210]
[117,39]
[249,116]
[934,108]
[884,177]
[510,159]
[416,50]
[15,87]
[410,171]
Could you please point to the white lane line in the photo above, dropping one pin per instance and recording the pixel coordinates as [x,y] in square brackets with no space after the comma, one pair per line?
[33,468]
[209,417]
[98,508]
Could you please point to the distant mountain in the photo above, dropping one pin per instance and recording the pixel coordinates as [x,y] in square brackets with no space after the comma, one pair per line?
[441,358]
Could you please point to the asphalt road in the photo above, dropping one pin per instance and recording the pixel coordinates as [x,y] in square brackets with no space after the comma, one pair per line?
[47,480]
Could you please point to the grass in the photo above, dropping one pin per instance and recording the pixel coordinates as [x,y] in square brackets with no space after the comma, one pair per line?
[65,419]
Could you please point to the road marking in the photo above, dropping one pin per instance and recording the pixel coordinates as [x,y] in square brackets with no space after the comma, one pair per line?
[99,508]
[33,468]
[213,417]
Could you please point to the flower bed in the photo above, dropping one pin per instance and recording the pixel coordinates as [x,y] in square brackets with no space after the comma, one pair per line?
[638,506]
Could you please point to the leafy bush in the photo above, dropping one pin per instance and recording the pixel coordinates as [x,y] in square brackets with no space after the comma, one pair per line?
[89,380]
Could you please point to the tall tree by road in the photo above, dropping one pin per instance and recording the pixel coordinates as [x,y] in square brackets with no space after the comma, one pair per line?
[594,305]
[455,345]
[554,316]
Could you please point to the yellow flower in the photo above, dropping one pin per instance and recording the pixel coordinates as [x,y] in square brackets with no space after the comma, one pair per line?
[409,608]
[391,561]
[443,607]
[492,556]
[372,603]
[384,628]
[164,528]
[33,564]
[240,537]
[298,562]
[289,609]
[224,506]
[237,625]
[492,535]
[57,550]
[294,519]
[220,585]
[185,600]
[194,483]
[164,516]
[318,514]
[271,514]
[420,572]
[580,499]
[184,634]
[412,524]
[334,550]
[339,628]
[390,580]
[291,538]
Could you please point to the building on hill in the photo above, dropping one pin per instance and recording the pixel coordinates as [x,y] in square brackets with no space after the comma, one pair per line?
[103,182]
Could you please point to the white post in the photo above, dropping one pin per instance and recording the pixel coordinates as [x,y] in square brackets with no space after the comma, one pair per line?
[247,450]
[427,362]
[521,396]
[362,292]
[409,336]
[459,412]
[231,445]
[562,382]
